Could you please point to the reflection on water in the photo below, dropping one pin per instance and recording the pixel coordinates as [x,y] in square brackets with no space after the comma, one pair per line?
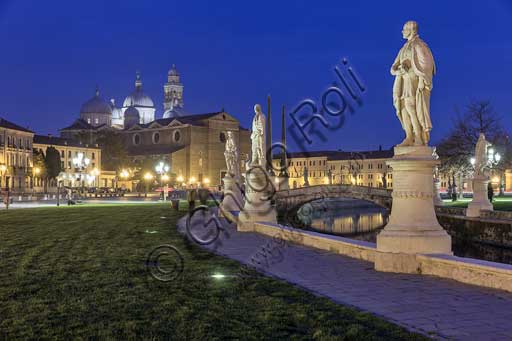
[362,220]
[347,217]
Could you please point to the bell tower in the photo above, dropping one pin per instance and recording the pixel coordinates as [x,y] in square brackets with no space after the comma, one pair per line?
[173,90]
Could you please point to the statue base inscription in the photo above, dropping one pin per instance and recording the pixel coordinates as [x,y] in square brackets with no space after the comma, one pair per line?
[258,194]
[413,227]
[480,199]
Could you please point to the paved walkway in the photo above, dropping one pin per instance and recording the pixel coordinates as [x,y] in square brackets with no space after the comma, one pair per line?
[440,308]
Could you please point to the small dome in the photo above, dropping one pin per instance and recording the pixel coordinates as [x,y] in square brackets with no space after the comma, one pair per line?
[131,117]
[131,112]
[96,105]
[175,112]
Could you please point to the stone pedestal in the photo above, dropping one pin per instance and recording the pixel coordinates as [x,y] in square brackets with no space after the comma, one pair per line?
[413,226]
[258,196]
[480,199]
[233,200]
[437,196]
[282,183]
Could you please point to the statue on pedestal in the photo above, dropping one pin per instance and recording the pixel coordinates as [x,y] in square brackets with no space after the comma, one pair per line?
[413,69]
[412,227]
[480,181]
[257,206]
[232,156]
[482,162]
[258,137]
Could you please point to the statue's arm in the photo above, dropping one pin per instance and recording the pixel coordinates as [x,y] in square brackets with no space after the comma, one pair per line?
[423,63]
[395,68]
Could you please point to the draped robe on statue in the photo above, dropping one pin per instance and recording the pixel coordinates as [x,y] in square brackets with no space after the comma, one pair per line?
[417,54]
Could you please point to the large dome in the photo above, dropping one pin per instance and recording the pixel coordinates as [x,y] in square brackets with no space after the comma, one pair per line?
[96,105]
[138,98]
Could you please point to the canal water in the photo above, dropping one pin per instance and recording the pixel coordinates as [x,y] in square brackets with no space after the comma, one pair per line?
[362,220]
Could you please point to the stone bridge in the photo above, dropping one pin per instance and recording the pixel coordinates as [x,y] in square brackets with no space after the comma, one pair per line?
[293,198]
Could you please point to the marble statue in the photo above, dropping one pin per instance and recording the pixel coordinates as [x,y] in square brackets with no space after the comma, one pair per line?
[258,187]
[412,226]
[480,201]
[258,137]
[306,174]
[232,156]
[481,158]
[413,69]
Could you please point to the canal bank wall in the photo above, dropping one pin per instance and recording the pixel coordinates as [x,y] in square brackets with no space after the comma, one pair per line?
[493,227]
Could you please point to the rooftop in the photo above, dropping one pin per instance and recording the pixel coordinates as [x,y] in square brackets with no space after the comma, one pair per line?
[340,155]
[58,141]
[9,125]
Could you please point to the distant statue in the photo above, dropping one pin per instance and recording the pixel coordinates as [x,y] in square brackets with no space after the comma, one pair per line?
[413,69]
[481,157]
[306,173]
[232,156]
[258,137]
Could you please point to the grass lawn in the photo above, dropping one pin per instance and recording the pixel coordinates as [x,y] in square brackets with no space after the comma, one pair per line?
[79,272]
[499,203]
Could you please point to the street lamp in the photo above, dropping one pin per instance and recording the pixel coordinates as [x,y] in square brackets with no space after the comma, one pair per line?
[81,162]
[95,173]
[162,168]
[181,181]
[147,177]
[3,169]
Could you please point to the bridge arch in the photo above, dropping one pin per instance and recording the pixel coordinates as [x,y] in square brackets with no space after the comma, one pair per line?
[293,198]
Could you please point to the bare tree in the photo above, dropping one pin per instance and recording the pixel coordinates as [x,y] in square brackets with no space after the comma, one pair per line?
[456,150]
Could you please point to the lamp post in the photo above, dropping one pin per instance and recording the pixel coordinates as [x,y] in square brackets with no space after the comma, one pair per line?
[181,181]
[124,174]
[81,162]
[147,177]
[35,175]
[3,171]
[162,168]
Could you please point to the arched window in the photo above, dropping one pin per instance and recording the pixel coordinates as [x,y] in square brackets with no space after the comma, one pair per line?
[156,137]
[176,136]
[136,139]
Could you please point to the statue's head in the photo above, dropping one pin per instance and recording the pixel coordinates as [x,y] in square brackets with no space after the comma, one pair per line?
[257,109]
[230,134]
[410,29]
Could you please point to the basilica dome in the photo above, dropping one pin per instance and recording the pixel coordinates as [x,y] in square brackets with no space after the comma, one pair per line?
[137,98]
[96,105]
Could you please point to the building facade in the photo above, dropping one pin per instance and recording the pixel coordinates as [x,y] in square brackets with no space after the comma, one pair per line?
[367,168]
[16,172]
[72,176]
[192,145]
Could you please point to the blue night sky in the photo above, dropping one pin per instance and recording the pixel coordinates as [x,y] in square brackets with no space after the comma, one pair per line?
[232,54]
